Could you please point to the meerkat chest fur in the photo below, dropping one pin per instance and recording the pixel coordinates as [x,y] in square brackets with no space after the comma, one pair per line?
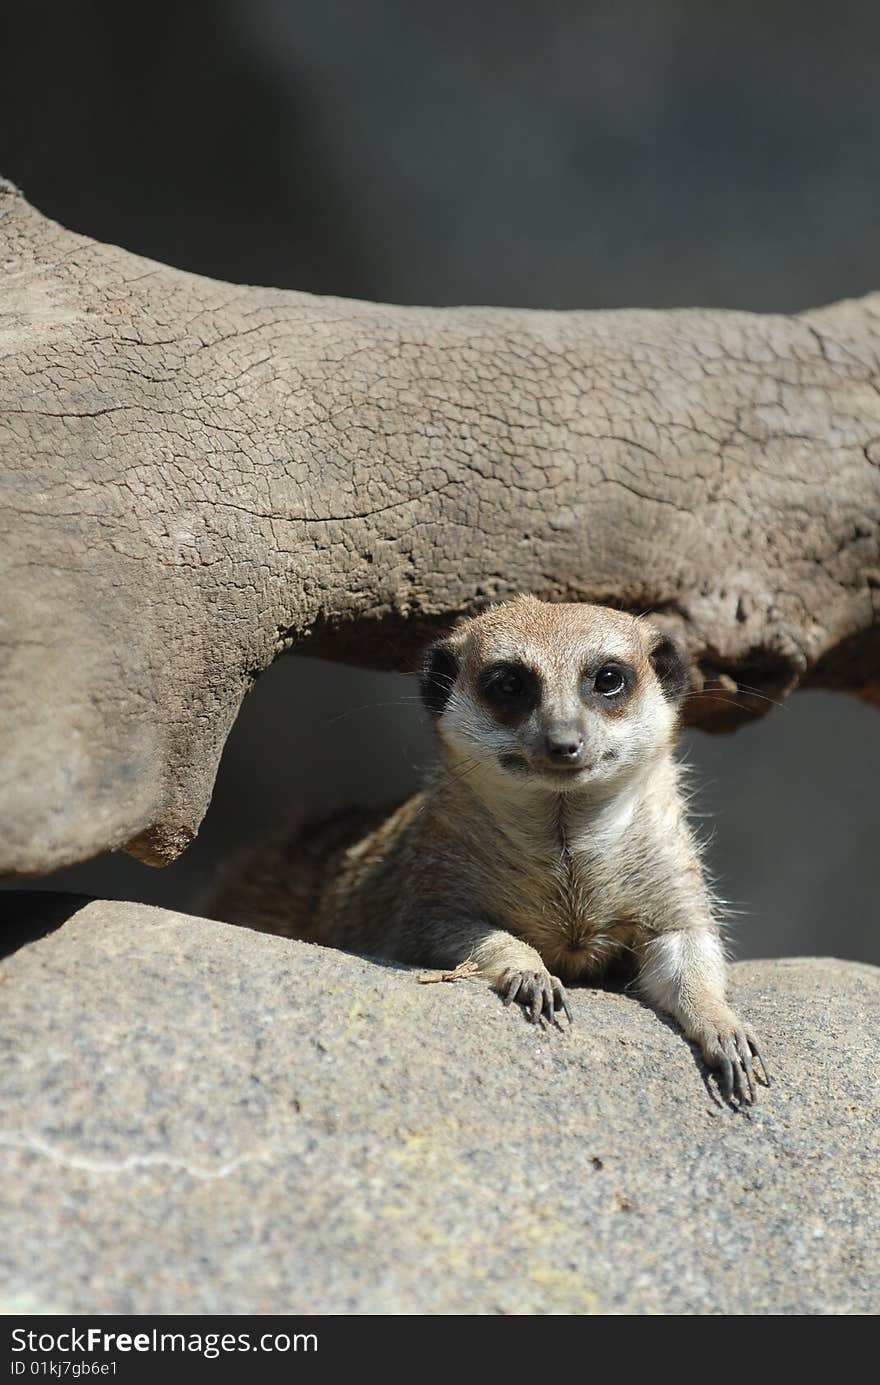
[573,877]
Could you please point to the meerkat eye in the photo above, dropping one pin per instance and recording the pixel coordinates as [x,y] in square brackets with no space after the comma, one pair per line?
[609,680]
[508,684]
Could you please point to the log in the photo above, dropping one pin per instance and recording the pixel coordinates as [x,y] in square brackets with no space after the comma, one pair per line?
[199,476]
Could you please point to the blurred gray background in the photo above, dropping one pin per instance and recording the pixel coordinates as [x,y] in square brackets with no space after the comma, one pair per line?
[544,154]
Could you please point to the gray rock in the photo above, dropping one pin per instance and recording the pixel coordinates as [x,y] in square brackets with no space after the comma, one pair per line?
[199,1119]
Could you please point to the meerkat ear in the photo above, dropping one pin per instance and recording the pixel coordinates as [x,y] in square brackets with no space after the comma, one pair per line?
[671,667]
[437,675]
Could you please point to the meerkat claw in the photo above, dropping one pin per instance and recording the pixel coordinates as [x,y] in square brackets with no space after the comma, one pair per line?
[744,1095]
[734,1057]
[541,996]
[734,1071]
[547,1009]
[537,1002]
[745,1058]
[756,1053]
[512,991]
[724,1073]
[560,1000]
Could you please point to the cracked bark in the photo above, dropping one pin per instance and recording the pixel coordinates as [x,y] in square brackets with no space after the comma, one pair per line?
[199,476]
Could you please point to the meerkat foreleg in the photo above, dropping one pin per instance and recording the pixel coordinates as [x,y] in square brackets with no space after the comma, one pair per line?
[513,968]
[683,972]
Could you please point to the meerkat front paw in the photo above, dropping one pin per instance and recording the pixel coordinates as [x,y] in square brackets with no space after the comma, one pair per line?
[539,993]
[729,1051]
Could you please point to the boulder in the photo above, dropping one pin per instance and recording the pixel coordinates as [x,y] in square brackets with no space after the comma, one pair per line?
[203,1119]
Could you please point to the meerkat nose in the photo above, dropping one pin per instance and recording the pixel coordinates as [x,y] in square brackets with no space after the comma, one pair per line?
[565,745]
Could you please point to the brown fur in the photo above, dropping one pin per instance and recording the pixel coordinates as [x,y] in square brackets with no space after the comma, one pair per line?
[539,874]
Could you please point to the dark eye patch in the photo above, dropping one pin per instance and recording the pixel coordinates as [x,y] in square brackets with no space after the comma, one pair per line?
[511,689]
[437,677]
[671,667]
[609,682]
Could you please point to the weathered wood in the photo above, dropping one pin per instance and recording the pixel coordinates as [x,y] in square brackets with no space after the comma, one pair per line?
[197,476]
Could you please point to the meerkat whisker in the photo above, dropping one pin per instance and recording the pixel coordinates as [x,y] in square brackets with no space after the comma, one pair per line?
[371,707]
[718,696]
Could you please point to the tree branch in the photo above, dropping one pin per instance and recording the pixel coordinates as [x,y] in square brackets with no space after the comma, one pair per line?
[198,476]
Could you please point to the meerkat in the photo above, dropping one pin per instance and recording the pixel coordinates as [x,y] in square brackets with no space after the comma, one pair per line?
[550,842]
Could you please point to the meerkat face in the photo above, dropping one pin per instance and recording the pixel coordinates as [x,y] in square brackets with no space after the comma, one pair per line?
[558,696]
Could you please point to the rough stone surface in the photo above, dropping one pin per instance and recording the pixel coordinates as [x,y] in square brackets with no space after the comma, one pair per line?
[196,476]
[199,1119]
